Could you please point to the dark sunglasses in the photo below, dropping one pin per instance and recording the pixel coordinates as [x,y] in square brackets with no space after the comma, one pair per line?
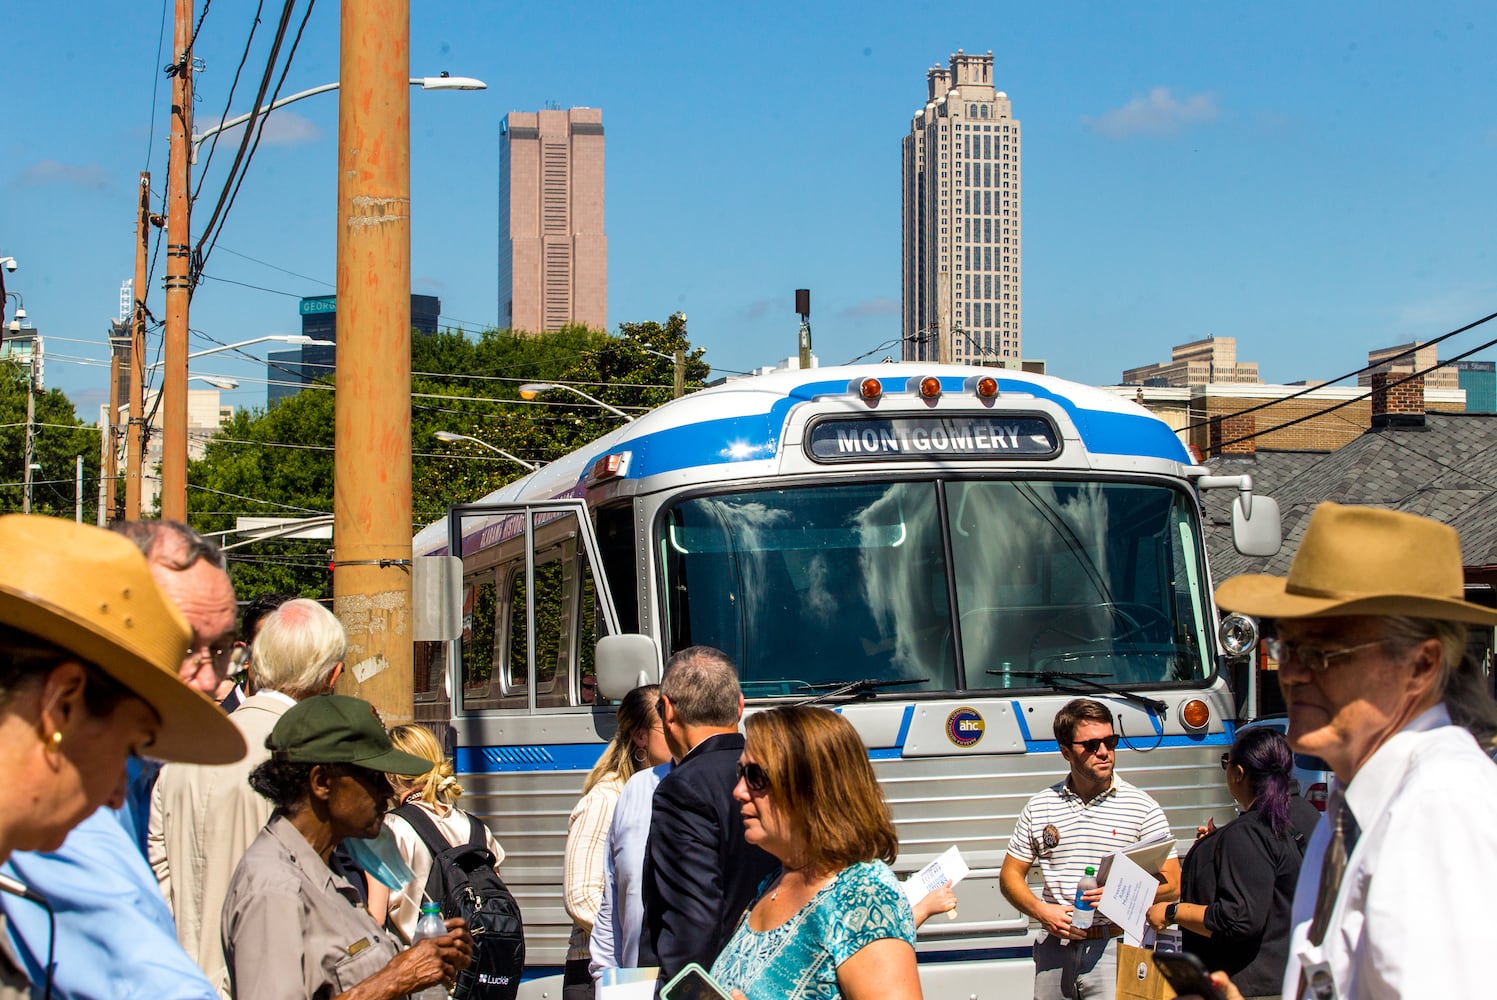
[1090,746]
[754,777]
[1226,761]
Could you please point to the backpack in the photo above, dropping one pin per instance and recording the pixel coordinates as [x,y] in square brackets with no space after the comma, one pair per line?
[464,882]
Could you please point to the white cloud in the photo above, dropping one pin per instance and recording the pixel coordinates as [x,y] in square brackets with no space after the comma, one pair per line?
[282,128]
[88,175]
[1159,113]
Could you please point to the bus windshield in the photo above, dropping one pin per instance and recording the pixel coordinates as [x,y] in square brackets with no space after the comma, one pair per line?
[812,587]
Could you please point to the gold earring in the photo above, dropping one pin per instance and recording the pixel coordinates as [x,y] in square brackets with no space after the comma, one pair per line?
[56,739]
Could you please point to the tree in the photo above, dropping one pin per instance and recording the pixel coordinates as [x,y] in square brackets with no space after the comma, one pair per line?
[279,462]
[58,438]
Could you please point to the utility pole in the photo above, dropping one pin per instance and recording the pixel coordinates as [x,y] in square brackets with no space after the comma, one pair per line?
[78,488]
[135,432]
[30,448]
[680,385]
[178,278]
[372,435]
[109,430]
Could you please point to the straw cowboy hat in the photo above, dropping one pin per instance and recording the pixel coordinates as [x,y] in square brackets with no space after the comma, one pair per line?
[90,592]
[1363,561]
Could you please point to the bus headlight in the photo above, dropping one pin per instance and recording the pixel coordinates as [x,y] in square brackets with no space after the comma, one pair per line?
[1238,634]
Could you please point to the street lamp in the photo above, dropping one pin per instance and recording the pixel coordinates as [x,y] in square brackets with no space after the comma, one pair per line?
[443,82]
[451,436]
[532,389]
[279,338]
[216,381]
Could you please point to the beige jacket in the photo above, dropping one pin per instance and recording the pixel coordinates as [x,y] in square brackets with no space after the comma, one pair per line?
[202,820]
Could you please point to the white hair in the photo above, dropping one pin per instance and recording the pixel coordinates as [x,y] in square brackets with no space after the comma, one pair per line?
[296,649]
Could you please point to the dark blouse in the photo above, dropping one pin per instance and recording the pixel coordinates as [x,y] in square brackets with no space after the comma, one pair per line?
[1245,877]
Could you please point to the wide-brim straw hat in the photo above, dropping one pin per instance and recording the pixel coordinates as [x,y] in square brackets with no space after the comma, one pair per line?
[1363,561]
[90,591]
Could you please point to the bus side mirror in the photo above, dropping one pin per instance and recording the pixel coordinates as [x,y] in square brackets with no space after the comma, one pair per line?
[624,662]
[1256,529]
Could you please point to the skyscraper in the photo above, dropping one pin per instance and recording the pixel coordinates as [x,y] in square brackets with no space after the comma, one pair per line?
[961,222]
[553,255]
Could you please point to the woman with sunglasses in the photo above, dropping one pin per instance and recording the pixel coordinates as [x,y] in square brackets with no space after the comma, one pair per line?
[1237,882]
[833,921]
[638,743]
[291,927]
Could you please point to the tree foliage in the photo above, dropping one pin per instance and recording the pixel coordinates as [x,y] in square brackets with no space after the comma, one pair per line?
[279,462]
[59,437]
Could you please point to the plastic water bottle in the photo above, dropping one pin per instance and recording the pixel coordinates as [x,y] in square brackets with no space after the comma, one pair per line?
[1084,913]
[430,926]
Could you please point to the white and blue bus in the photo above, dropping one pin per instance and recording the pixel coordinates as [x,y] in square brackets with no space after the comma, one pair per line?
[946,555]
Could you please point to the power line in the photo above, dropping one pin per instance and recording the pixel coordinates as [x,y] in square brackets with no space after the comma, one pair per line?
[229,101]
[1357,399]
[250,132]
[1386,361]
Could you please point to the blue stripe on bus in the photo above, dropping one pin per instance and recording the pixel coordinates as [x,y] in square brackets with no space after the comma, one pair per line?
[754,437]
[582,756]
[1019,718]
[1144,743]
[904,726]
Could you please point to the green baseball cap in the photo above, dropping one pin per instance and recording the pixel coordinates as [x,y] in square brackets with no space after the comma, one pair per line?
[336,729]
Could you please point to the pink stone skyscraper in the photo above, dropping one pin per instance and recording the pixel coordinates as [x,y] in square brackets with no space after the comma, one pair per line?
[553,254]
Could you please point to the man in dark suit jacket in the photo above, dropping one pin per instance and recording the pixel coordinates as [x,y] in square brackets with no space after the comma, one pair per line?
[699,872]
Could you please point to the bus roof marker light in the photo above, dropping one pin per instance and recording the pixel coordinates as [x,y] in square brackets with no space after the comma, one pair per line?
[987,387]
[609,467]
[930,387]
[871,389]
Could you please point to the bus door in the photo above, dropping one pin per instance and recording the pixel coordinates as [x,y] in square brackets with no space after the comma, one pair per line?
[534,605]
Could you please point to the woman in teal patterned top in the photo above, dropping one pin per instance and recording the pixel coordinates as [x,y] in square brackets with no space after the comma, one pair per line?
[833,922]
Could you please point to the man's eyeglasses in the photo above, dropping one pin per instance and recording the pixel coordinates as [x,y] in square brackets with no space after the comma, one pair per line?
[227,659]
[1226,760]
[1312,658]
[1091,746]
[754,778]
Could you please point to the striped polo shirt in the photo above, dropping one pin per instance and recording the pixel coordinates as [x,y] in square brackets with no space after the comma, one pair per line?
[1082,833]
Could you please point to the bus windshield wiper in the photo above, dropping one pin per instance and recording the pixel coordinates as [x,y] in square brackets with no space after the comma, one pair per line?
[1062,680]
[856,690]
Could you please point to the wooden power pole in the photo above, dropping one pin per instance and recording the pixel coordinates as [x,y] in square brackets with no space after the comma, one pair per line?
[135,438]
[372,437]
[178,278]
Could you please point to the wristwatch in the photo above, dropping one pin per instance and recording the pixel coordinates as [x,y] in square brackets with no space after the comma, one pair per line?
[1169,913]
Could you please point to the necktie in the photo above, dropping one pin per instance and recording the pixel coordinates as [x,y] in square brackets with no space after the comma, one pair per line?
[1344,833]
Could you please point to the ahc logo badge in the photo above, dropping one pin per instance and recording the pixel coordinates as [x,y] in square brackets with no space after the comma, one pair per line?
[965,727]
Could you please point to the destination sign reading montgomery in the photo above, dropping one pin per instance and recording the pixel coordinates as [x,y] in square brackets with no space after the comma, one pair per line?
[986,436]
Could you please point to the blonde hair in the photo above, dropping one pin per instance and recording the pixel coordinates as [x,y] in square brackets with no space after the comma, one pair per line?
[438,786]
[637,712]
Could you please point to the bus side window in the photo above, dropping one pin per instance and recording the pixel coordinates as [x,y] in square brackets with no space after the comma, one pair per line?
[429,663]
[620,564]
[515,665]
[553,610]
[480,606]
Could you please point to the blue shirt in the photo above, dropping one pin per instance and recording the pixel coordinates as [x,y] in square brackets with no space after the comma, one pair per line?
[620,920]
[798,960]
[115,935]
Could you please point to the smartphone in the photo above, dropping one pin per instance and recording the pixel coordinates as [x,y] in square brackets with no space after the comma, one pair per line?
[693,983]
[1186,974]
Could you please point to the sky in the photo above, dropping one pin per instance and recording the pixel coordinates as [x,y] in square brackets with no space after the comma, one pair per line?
[1315,180]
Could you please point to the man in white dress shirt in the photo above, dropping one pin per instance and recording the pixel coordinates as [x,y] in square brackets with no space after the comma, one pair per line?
[1394,896]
